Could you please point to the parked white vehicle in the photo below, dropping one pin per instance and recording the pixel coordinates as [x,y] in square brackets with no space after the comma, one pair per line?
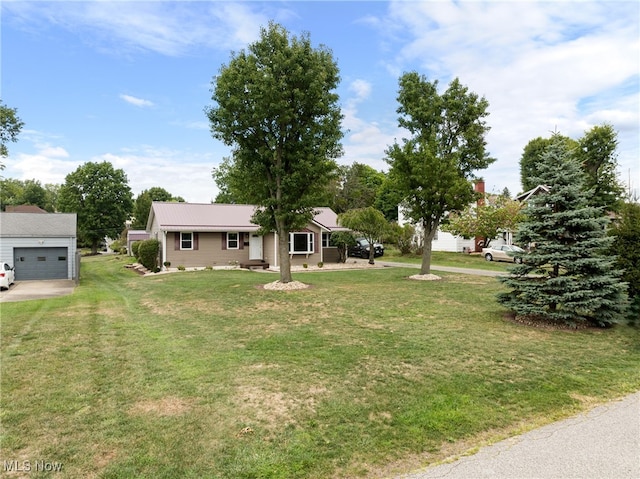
[505,252]
[7,276]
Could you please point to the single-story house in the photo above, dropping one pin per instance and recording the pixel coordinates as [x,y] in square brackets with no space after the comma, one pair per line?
[215,234]
[40,245]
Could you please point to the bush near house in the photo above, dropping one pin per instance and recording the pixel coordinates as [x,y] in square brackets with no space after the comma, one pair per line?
[148,253]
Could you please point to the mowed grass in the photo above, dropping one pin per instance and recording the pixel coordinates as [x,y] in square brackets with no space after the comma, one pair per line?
[204,374]
[446,258]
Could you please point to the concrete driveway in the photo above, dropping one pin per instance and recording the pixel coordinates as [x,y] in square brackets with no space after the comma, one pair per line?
[43,289]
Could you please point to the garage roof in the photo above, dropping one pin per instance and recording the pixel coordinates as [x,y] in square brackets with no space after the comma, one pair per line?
[20,225]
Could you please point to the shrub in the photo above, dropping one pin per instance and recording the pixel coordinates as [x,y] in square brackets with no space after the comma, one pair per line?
[181,267]
[134,248]
[404,238]
[305,265]
[148,253]
[320,264]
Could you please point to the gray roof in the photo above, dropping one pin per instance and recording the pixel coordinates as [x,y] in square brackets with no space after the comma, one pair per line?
[23,225]
[174,216]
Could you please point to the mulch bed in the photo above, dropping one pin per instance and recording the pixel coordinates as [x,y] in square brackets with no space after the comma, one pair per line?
[544,323]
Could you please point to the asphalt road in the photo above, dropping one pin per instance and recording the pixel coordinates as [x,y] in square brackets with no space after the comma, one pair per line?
[603,443]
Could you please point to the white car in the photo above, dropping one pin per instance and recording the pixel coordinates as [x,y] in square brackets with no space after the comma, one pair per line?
[511,253]
[7,276]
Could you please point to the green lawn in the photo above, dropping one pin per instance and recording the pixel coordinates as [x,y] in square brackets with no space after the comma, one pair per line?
[445,258]
[204,374]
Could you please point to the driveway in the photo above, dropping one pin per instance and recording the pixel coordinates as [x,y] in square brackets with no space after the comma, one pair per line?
[43,289]
[448,269]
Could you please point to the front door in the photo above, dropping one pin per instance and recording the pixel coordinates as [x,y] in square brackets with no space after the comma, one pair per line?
[255,246]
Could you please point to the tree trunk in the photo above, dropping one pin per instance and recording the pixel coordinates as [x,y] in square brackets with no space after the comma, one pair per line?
[94,247]
[429,233]
[283,252]
[372,254]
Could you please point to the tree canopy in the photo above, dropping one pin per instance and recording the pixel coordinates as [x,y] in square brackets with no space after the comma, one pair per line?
[598,158]
[102,199]
[142,205]
[10,127]
[275,104]
[433,169]
[596,154]
[568,276]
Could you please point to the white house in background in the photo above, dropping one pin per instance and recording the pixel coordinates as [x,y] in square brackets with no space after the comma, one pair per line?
[444,241]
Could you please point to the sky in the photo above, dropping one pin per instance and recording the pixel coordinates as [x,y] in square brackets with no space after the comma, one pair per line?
[128,82]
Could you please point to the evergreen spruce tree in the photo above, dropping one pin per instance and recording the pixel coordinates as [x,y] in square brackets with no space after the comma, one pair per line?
[567,278]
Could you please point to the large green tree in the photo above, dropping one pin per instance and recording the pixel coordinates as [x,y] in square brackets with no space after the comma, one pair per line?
[142,205]
[568,277]
[10,127]
[531,157]
[598,158]
[358,188]
[102,199]
[433,169]
[275,103]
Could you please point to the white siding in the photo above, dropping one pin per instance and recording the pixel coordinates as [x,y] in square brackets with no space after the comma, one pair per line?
[7,245]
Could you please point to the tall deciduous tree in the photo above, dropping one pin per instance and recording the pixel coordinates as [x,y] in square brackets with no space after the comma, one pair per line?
[434,168]
[369,222]
[531,157]
[359,187]
[598,158]
[142,205]
[276,105]
[568,276]
[10,127]
[102,199]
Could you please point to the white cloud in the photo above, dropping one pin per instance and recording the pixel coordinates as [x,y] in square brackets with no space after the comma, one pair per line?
[136,101]
[168,28]
[541,65]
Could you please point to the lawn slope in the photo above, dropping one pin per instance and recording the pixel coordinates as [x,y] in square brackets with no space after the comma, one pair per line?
[205,374]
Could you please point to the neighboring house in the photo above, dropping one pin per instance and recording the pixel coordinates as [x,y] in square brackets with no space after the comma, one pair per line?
[24,209]
[526,196]
[133,236]
[197,235]
[40,245]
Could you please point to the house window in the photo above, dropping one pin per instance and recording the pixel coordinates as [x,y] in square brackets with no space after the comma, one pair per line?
[300,243]
[233,241]
[186,241]
[326,238]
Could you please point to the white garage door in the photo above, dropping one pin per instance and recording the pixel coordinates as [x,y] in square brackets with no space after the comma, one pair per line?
[41,263]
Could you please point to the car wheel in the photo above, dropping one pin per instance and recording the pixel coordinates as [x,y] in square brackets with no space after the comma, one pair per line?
[488,257]
[364,255]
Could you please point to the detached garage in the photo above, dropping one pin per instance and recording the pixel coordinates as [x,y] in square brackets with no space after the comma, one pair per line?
[39,245]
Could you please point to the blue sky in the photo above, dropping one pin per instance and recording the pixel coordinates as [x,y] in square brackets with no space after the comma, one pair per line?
[128,82]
